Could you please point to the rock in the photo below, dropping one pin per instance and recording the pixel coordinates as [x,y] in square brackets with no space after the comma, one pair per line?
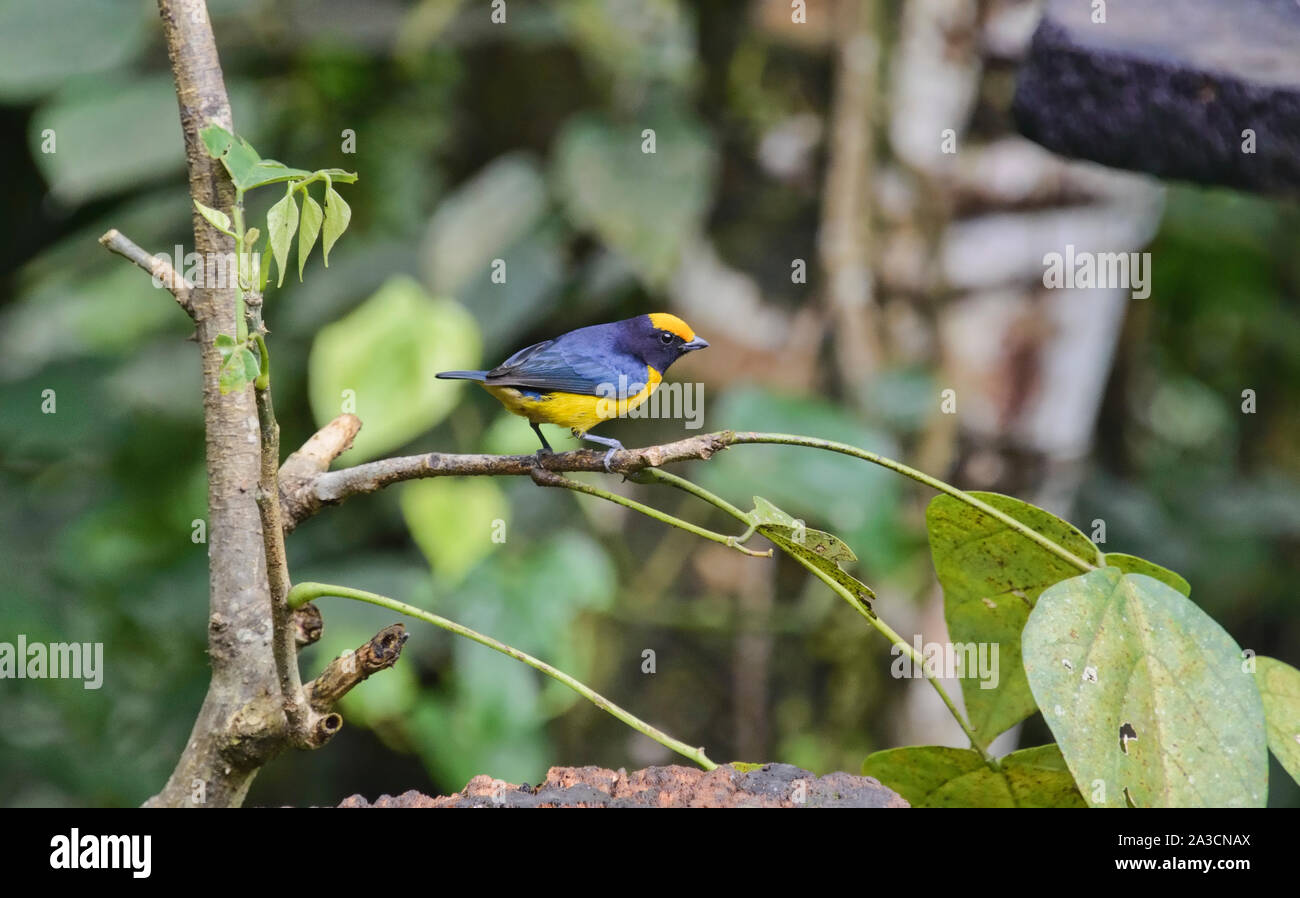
[769,786]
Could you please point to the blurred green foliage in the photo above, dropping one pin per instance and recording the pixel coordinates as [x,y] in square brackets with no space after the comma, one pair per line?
[475,143]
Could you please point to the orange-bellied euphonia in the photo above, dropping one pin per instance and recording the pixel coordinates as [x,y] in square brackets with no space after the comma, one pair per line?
[588,375]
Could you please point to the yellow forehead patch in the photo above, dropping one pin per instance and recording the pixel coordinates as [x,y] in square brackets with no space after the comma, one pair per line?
[672,324]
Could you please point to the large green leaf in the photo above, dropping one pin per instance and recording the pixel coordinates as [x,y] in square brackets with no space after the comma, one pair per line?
[1279,687]
[454,521]
[991,577]
[932,776]
[109,137]
[386,353]
[1146,695]
[1131,564]
[486,214]
[644,205]
[45,44]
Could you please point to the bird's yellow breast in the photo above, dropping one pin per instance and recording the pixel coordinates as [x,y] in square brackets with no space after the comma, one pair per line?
[575,411]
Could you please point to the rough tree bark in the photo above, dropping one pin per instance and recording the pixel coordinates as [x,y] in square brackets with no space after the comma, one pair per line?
[218,763]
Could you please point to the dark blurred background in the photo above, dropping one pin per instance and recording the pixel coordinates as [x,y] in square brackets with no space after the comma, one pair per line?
[776,141]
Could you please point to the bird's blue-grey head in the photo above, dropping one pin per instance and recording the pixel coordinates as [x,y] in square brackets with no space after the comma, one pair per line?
[659,339]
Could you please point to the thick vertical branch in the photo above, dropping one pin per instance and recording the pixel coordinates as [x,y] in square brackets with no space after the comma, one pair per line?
[235,730]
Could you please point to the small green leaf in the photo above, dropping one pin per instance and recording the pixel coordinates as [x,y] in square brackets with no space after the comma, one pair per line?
[269,171]
[1145,694]
[338,174]
[747,766]
[225,345]
[820,549]
[766,513]
[233,375]
[337,216]
[933,776]
[308,229]
[1279,687]
[1131,564]
[281,222]
[251,366]
[215,217]
[250,237]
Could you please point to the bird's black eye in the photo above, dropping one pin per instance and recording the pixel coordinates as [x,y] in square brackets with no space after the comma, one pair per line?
[666,337]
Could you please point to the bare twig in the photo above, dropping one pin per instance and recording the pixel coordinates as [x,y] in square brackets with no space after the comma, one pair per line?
[158,267]
[350,669]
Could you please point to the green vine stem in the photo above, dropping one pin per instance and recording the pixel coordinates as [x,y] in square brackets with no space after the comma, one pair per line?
[547,478]
[303,593]
[785,439]
[885,630]
[237,219]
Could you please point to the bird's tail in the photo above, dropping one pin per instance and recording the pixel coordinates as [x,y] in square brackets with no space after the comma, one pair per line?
[462,375]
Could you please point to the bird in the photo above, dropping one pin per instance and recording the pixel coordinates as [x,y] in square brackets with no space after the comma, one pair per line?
[588,375]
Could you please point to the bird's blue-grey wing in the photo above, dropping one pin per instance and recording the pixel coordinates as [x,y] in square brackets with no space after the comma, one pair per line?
[584,364]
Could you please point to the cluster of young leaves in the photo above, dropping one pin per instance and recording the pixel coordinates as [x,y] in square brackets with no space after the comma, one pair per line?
[248,171]
[1152,703]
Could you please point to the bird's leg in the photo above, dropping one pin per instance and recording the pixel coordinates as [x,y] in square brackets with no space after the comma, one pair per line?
[546,447]
[614,446]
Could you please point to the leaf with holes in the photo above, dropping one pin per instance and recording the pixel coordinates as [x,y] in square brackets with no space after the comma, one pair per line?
[1146,695]
[822,550]
[236,154]
[1279,687]
[991,577]
[934,776]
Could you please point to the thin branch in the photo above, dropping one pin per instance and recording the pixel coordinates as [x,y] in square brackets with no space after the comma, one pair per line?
[305,490]
[307,495]
[543,477]
[306,728]
[158,267]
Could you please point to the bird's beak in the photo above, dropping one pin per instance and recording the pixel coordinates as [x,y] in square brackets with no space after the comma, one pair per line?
[697,343]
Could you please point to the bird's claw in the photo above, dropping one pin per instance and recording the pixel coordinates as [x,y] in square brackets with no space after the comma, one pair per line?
[608,456]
